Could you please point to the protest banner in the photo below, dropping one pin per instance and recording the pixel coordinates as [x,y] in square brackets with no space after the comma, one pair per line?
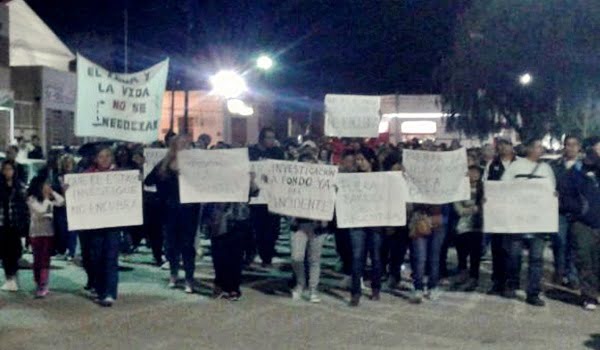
[104,199]
[371,200]
[302,190]
[352,115]
[124,107]
[259,169]
[520,206]
[215,176]
[153,156]
[436,177]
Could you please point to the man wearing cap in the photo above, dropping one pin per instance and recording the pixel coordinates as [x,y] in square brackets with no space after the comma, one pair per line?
[501,162]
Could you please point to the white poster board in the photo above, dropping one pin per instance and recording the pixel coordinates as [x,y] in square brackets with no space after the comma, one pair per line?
[520,206]
[302,190]
[124,107]
[214,176]
[371,200]
[352,115]
[260,171]
[104,199]
[436,177]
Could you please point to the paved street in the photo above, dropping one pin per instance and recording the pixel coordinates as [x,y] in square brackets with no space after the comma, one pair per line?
[150,316]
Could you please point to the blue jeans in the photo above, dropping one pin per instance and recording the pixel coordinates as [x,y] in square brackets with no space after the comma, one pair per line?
[425,251]
[365,240]
[515,245]
[104,261]
[181,226]
[562,249]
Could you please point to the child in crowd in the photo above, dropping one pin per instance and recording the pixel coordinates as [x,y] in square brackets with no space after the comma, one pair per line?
[41,201]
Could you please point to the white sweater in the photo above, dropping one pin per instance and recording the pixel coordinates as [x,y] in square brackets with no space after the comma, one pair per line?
[41,215]
[522,168]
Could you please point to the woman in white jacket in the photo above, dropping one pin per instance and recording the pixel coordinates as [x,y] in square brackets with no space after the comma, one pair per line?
[41,201]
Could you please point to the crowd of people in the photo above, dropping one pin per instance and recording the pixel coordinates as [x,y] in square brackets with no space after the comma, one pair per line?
[239,232]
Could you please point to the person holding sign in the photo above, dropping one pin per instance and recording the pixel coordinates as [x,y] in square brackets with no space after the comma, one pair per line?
[365,241]
[580,202]
[307,244]
[14,222]
[42,200]
[266,225]
[104,244]
[181,219]
[530,167]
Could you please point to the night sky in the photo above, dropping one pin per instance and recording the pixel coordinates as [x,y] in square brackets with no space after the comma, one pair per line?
[341,46]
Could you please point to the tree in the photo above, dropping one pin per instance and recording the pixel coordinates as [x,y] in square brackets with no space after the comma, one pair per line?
[496,41]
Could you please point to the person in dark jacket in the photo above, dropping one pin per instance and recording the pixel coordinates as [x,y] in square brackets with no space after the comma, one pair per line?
[14,222]
[266,225]
[37,152]
[181,219]
[565,272]
[506,156]
[580,202]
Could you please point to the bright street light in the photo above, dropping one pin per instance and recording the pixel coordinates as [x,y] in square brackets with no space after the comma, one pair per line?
[239,107]
[525,79]
[264,62]
[228,84]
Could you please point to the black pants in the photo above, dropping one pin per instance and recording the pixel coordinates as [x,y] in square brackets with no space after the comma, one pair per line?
[499,260]
[468,246]
[153,228]
[227,260]
[85,241]
[343,246]
[10,251]
[393,250]
[266,228]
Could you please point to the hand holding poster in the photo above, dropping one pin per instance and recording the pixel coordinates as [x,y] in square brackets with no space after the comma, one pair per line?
[124,107]
[302,190]
[436,177]
[215,176]
[352,115]
[259,169]
[371,200]
[104,199]
[522,206]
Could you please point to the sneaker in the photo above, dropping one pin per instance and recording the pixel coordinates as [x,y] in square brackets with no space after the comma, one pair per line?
[314,297]
[41,293]
[433,294]
[590,305]
[297,293]
[106,302]
[362,284]
[189,289]
[375,296]
[172,283]
[354,301]
[416,297]
[535,300]
[10,285]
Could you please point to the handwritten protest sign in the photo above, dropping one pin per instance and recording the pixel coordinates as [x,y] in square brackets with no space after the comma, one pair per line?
[152,156]
[104,199]
[260,171]
[302,190]
[521,206]
[436,177]
[124,107]
[371,200]
[352,115]
[214,176]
